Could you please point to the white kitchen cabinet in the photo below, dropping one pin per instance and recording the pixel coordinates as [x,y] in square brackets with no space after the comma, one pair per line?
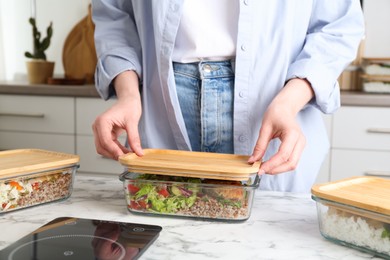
[37,114]
[91,162]
[348,163]
[51,142]
[37,122]
[363,128]
[87,109]
[62,124]
[360,142]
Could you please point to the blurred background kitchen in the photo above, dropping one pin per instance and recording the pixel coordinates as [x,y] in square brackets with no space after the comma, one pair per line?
[16,36]
[15,31]
[359,132]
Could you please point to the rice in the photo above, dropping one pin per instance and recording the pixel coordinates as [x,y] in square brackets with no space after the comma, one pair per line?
[356,230]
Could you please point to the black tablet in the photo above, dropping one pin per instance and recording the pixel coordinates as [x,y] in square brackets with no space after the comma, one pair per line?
[83,239]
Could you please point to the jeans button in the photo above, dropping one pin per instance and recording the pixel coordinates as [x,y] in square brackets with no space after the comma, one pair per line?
[207,68]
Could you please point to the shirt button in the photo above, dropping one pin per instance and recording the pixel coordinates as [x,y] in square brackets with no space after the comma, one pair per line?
[246,2]
[174,7]
[242,138]
[243,47]
[241,94]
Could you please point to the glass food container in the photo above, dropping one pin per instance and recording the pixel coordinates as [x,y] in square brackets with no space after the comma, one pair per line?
[355,212]
[30,177]
[190,184]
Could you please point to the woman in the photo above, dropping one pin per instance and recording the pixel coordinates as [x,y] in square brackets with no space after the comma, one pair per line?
[245,77]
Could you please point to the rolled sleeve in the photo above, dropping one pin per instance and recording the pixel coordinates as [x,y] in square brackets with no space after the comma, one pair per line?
[330,46]
[326,89]
[110,65]
[117,43]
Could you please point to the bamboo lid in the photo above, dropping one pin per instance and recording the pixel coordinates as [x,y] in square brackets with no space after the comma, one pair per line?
[369,193]
[191,164]
[24,161]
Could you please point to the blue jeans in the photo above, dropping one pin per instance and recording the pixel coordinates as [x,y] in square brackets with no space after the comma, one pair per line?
[206,92]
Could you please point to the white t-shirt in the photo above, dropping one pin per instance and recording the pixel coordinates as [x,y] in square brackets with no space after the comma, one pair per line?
[207,31]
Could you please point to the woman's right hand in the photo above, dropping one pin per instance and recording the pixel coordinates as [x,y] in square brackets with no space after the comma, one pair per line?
[122,117]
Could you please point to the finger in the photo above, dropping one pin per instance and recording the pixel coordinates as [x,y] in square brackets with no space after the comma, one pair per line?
[265,137]
[134,139]
[122,147]
[283,155]
[98,146]
[293,160]
[105,145]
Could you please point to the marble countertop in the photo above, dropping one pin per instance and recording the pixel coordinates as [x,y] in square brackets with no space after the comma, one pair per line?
[281,226]
[348,98]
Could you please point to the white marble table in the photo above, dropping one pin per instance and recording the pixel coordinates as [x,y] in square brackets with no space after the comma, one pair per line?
[282,226]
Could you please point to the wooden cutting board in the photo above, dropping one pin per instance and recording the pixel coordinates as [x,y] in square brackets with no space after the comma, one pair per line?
[191,164]
[369,193]
[19,162]
[79,54]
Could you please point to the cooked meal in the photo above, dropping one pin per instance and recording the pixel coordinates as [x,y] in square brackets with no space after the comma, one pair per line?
[188,196]
[33,190]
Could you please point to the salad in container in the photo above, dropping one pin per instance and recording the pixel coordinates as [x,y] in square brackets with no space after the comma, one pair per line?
[190,184]
[355,212]
[30,177]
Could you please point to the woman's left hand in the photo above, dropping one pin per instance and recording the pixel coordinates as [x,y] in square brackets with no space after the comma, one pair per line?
[279,121]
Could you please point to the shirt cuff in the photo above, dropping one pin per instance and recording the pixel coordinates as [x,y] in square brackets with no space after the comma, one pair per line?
[326,89]
[109,66]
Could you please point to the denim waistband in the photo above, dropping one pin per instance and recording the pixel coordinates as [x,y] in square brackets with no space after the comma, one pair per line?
[205,69]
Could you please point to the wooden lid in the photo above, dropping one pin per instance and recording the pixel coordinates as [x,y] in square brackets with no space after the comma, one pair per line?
[191,164]
[23,161]
[369,193]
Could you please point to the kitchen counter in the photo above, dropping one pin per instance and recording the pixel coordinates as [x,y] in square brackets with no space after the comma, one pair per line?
[282,226]
[358,98]
[23,88]
[348,98]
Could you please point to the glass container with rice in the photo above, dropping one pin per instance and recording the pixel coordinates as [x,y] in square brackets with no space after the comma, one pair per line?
[355,212]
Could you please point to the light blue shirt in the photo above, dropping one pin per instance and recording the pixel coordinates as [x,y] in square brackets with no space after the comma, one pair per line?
[277,40]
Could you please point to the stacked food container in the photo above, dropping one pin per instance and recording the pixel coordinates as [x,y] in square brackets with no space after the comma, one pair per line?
[30,177]
[376,75]
[190,184]
[355,212]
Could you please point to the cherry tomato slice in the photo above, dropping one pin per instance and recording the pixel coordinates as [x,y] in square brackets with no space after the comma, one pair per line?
[163,192]
[132,189]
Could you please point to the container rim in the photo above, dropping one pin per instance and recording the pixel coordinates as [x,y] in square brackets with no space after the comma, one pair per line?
[353,209]
[191,163]
[255,184]
[43,172]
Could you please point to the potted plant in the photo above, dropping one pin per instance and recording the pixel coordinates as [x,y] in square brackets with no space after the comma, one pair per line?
[38,68]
